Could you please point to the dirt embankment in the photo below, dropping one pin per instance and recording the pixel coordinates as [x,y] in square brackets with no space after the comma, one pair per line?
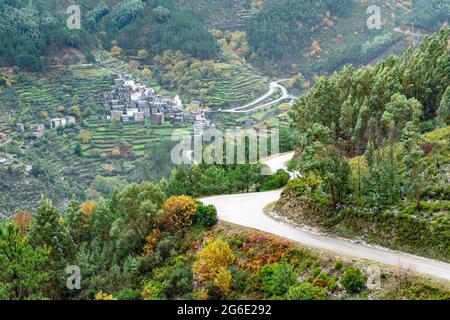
[388,228]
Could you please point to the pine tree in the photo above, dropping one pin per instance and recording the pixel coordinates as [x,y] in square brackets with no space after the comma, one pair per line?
[346,123]
[76,221]
[444,108]
[413,161]
[23,268]
[48,231]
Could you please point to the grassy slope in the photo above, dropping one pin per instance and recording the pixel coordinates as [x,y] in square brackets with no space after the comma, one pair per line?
[253,249]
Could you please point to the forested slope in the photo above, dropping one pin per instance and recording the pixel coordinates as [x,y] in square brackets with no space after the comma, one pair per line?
[31,29]
[365,158]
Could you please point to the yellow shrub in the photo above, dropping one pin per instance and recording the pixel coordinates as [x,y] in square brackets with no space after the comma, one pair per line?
[178,213]
[214,257]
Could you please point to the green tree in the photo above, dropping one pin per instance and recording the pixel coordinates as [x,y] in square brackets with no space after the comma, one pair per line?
[138,209]
[444,107]
[22,267]
[76,221]
[77,151]
[323,159]
[161,14]
[47,230]
[178,182]
[413,161]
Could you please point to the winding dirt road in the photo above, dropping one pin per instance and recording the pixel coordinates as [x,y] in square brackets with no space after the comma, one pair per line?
[248,210]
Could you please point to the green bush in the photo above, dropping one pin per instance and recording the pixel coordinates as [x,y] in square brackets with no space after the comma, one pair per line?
[353,280]
[304,185]
[306,291]
[205,215]
[242,280]
[276,279]
[152,290]
[276,181]
[127,294]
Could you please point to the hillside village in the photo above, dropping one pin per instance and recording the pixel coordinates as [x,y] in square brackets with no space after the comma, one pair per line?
[132,102]
[128,102]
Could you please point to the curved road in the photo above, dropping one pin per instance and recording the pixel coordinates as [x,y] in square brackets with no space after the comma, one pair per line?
[272,88]
[248,210]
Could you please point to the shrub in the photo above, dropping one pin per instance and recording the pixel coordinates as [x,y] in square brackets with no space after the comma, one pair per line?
[178,213]
[127,294]
[306,291]
[104,296]
[210,261]
[205,215]
[277,278]
[303,186]
[353,280]
[338,265]
[152,290]
[276,181]
[224,280]
[241,280]
[177,278]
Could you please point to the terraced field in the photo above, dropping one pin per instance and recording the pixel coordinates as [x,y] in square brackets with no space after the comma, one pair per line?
[67,88]
[106,136]
[241,84]
[220,14]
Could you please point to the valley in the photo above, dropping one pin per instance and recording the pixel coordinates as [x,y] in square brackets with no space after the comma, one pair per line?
[341,110]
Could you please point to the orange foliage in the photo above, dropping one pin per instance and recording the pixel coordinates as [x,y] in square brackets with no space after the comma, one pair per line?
[320,283]
[88,207]
[178,213]
[268,250]
[150,243]
[21,219]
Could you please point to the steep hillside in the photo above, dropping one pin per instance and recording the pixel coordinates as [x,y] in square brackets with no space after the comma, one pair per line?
[395,192]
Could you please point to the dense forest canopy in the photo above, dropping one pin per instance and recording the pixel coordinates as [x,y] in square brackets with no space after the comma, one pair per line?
[283,28]
[369,111]
[156,26]
[355,103]
[430,14]
[30,31]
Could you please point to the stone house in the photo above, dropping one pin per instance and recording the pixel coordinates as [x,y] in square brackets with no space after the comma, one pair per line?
[39,131]
[58,122]
[3,136]
[19,127]
[124,118]
[62,122]
[139,116]
[116,114]
[70,120]
[157,119]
